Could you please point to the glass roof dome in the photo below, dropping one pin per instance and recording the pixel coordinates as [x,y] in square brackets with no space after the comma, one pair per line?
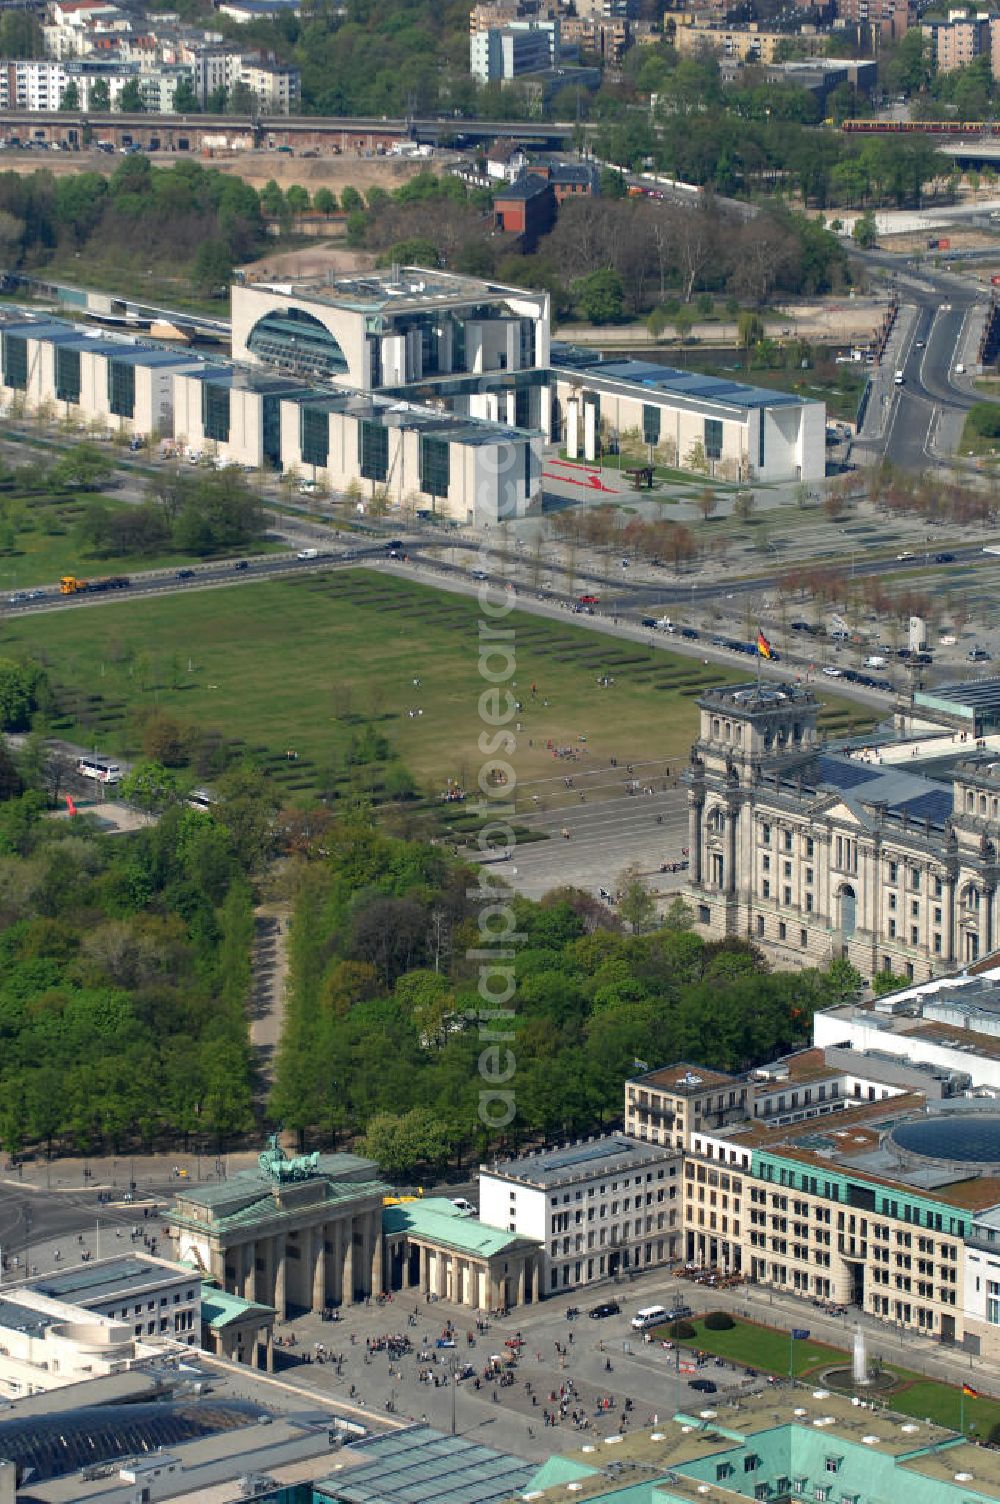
[963,1137]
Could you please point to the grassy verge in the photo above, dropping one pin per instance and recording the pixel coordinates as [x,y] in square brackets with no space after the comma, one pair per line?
[47,546]
[767,1350]
[301,665]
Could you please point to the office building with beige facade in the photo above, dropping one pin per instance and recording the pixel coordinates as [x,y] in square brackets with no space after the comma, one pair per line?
[701,423]
[419,390]
[817,852]
[863,1170]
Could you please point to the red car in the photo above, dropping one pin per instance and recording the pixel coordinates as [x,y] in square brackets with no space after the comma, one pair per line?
[589,600]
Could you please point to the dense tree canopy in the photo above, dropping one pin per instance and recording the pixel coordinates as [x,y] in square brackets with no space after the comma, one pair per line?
[163,215]
[381,1032]
[123,976]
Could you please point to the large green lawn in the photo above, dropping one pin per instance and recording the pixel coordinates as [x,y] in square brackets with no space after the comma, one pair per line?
[767,1350]
[299,664]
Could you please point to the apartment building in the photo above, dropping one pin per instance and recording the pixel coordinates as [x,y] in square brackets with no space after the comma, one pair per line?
[500,53]
[881,20]
[817,853]
[604,37]
[276,87]
[696,33]
[72,26]
[599,1207]
[959,40]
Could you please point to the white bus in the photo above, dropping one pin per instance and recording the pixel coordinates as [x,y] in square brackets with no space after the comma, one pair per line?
[99,770]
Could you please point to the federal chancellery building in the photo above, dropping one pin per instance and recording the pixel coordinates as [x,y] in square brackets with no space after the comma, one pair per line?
[440,390]
[817,853]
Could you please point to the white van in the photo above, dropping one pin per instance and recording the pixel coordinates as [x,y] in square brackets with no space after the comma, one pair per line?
[875,660]
[898,378]
[648,1316]
[308,553]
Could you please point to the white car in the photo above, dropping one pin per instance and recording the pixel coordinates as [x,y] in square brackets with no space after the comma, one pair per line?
[831,672]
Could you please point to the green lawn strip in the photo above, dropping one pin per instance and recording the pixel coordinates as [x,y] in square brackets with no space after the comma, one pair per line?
[301,664]
[926,1399]
[761,1347]
[767,1350]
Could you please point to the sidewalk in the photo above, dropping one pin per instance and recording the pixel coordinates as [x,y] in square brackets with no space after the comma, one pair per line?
[114,1172]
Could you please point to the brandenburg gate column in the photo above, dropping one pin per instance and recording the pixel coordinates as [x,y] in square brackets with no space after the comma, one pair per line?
[319,1267]
[378,1276]
[279,1275]
[347,1232]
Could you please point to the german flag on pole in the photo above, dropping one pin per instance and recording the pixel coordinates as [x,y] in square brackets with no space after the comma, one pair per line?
[972,1393]
[763,646]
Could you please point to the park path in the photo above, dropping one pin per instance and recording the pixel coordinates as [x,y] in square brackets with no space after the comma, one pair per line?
[269,973]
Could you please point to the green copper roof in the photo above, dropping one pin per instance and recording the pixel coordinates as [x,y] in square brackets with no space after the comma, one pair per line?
[559,1470]
[220,1309]
[439,1221]
[260,1205]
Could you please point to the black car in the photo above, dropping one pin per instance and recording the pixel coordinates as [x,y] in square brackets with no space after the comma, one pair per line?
[241,564]
[649,621]
[185,574]
[688,632]
[944,558]
[606,1308]
[703,1386]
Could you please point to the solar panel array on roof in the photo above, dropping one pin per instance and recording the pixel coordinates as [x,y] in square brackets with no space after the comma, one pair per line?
[694,384]
[899,789]
[410,1467]
[579,1154]
[935,806]
[841,773]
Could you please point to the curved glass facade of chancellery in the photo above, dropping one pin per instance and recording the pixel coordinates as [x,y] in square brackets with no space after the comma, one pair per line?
[52,1446]
[296,341]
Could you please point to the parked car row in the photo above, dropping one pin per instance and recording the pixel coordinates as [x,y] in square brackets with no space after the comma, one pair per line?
[737,645]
